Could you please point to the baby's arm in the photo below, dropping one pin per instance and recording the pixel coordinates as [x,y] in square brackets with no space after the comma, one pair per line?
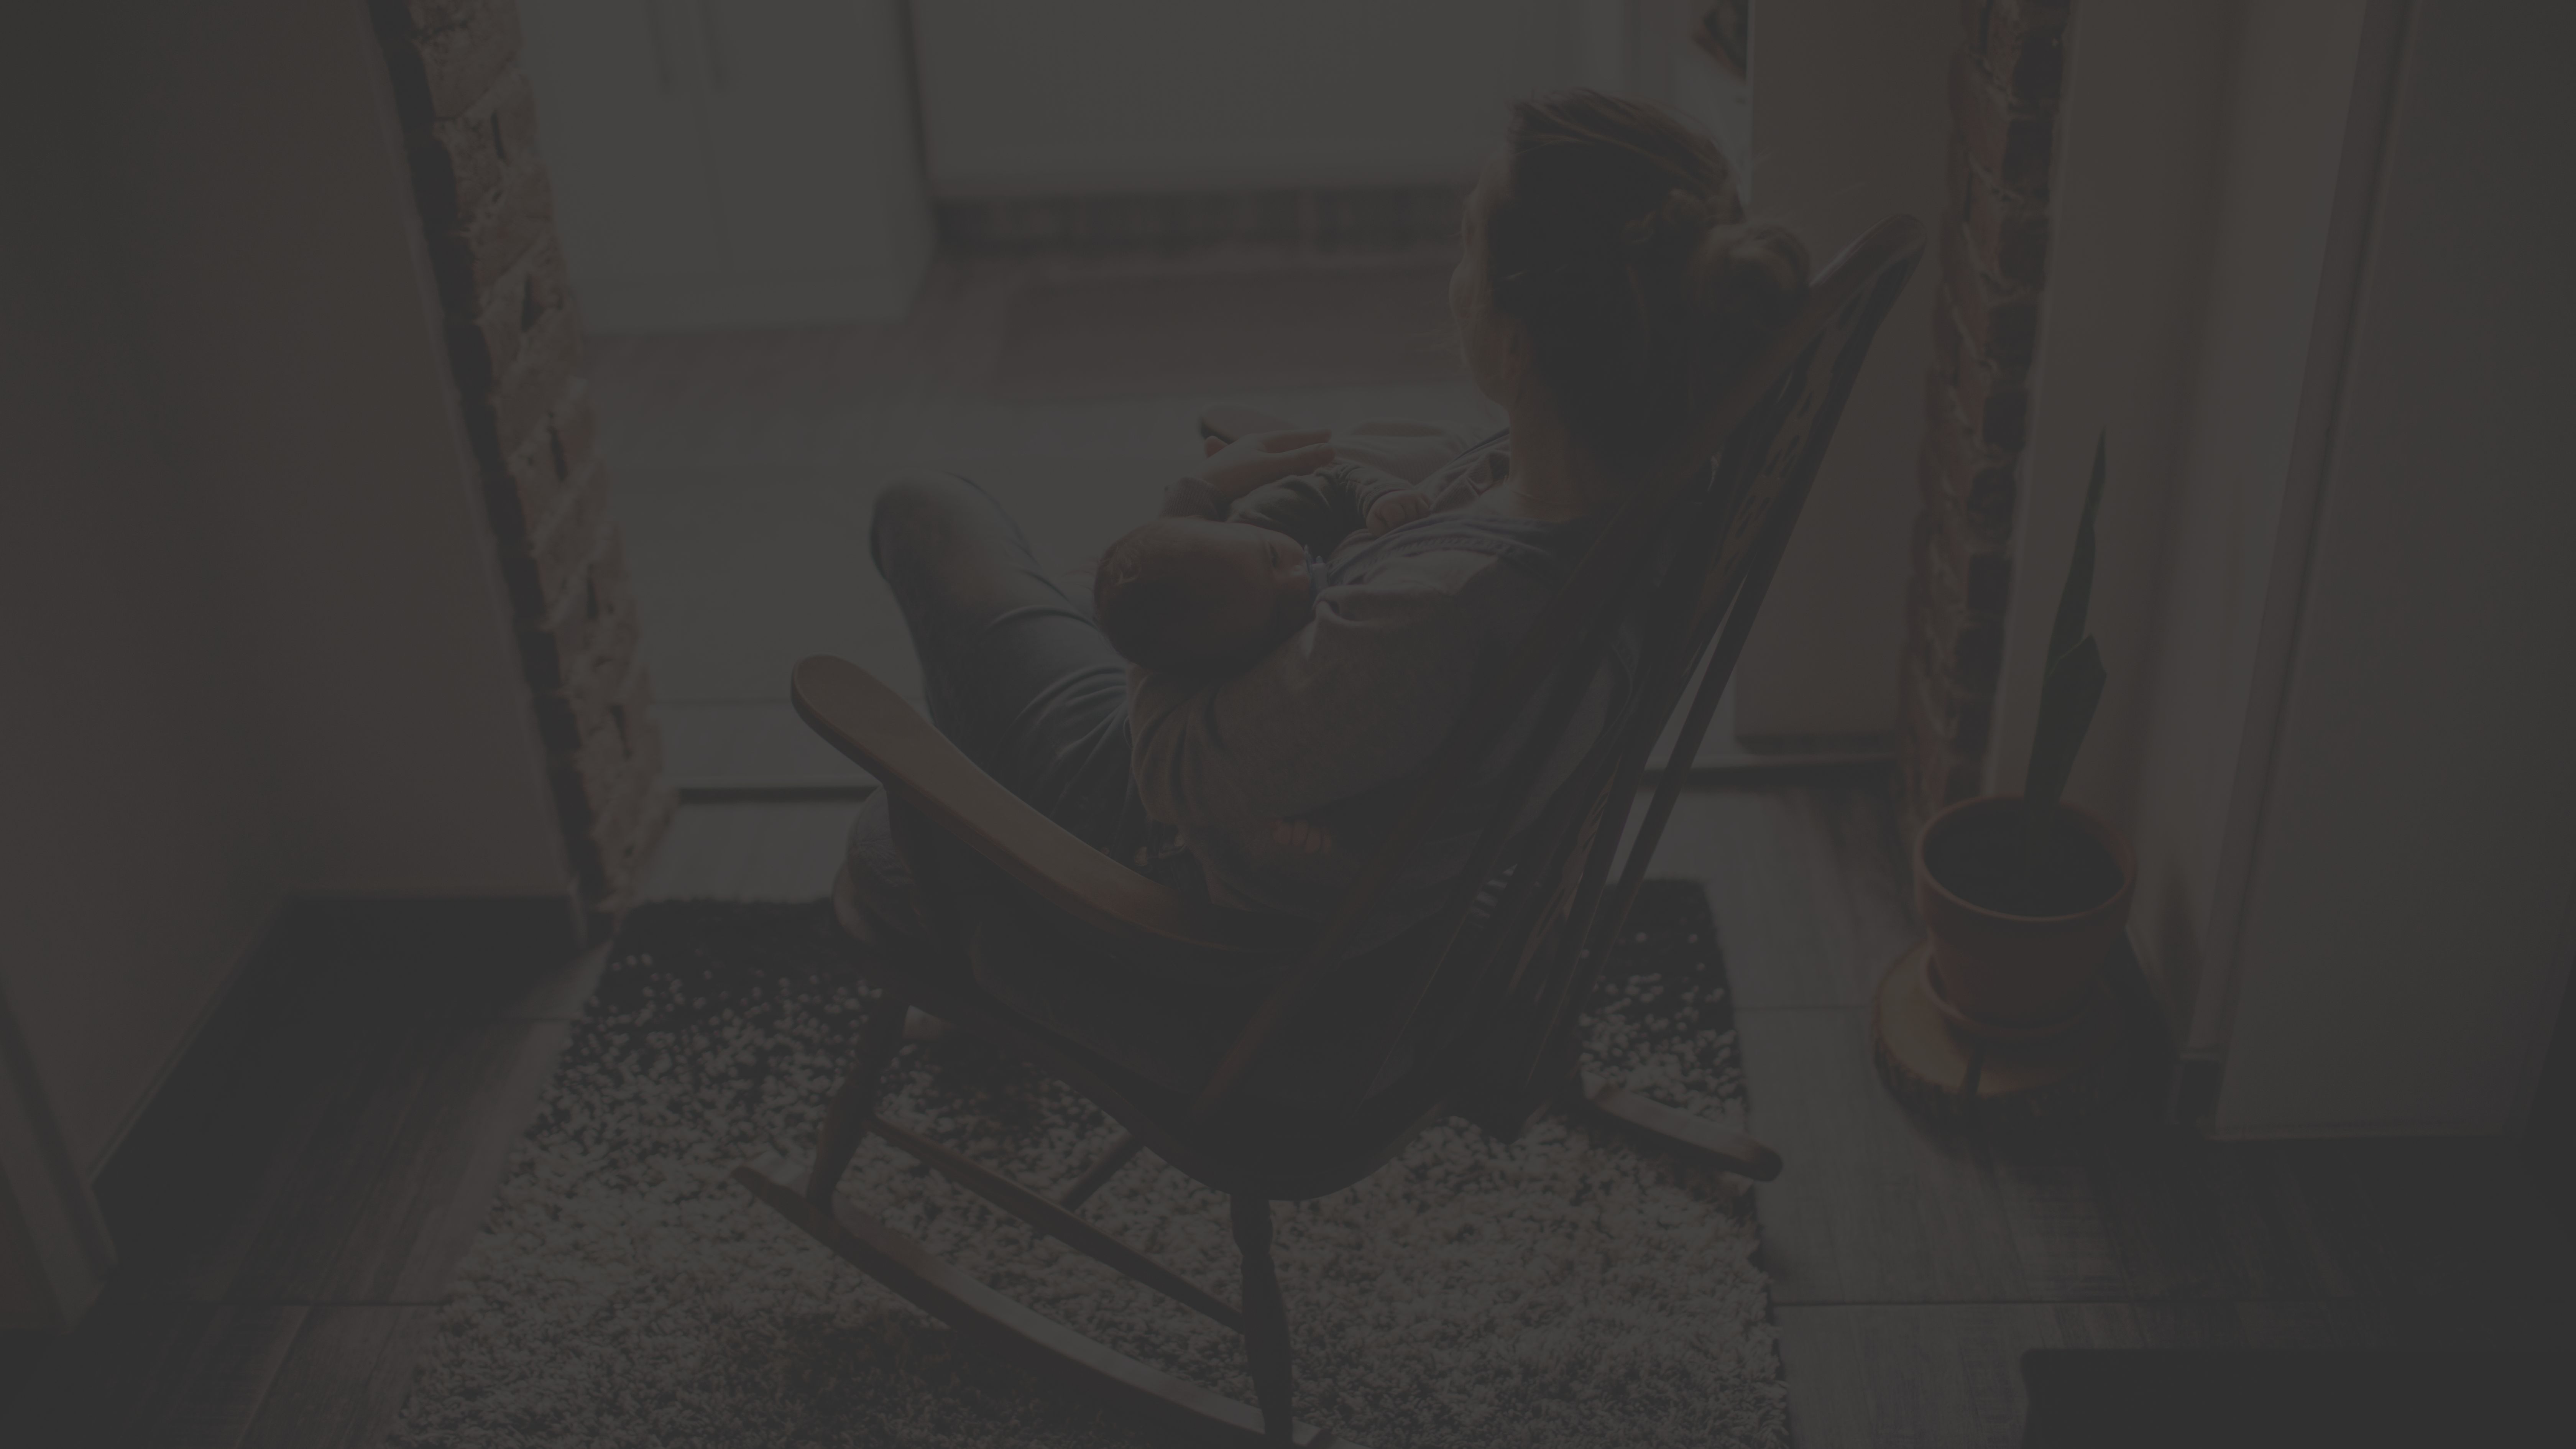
[1317,509]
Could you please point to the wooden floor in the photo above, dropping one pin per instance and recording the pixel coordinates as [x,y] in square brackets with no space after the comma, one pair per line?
[291,1275]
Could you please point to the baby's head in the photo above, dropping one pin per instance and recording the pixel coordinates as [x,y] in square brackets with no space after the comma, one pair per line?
[1193,593]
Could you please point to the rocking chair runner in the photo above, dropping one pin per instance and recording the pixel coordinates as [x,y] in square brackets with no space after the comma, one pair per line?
[1486,1014]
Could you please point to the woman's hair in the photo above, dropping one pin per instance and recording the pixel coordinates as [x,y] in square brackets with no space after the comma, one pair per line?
[1620,246]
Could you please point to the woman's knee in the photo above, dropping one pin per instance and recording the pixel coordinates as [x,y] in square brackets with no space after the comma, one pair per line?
[918,513]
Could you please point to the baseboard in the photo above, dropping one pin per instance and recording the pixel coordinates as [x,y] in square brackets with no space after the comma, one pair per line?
[297,980]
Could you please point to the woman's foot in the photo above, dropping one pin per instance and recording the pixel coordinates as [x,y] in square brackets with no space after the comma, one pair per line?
[919,1025]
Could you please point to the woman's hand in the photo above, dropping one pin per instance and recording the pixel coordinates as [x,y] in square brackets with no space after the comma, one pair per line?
[1236,468]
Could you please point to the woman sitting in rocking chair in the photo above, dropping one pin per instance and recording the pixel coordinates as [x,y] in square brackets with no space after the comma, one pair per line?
[1604,247]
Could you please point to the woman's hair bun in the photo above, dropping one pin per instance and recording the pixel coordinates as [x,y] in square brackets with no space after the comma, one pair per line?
[1621,245]
[1752,273]
[1743,282]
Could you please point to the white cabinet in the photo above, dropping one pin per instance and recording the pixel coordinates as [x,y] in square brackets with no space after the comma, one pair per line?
[730,163]
[1160,96]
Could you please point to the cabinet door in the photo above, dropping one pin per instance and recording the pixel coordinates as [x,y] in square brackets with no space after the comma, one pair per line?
[620,119]
[809,118]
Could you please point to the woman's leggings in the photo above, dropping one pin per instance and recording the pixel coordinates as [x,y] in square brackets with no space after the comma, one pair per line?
[1012,667]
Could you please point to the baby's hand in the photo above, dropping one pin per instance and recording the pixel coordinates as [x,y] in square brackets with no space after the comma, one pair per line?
[1301,835]
[1397,509]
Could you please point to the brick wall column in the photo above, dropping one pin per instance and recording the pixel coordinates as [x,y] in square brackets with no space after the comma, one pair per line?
[1994,236]
[514,340]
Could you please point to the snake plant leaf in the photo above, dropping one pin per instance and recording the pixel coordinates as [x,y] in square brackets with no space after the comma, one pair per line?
[2076,598]
[2070,689]
[2068,694]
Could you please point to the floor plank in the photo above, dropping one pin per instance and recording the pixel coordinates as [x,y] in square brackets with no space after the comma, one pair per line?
[1925,1376]
[1867,1209]
[1810,903]
[342,1381]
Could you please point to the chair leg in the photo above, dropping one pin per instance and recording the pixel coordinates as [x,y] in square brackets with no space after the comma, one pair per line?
[1265,1318]
[845,1121]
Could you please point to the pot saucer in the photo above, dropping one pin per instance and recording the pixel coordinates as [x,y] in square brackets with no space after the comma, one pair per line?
[1960,1080]
[1994,1034]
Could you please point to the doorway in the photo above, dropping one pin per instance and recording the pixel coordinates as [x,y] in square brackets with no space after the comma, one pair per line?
[1136,212]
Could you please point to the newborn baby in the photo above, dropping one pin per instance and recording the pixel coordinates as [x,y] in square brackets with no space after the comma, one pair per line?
[1207,585]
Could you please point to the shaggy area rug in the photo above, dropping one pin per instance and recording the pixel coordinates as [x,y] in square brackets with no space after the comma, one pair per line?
[1565,1289]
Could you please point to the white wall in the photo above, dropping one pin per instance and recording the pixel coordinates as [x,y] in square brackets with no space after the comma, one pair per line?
[2285,133]
[138,851]
[254,635]
[2407,928]
[1176,95]
[1850,124]
[273,273]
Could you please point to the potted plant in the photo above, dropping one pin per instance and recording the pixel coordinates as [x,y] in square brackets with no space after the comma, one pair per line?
[2023,894]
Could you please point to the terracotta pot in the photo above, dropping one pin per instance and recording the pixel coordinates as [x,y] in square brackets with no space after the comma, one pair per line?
[2013,977]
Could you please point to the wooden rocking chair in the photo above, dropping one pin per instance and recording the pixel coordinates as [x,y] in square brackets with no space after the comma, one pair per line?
[1486,1009]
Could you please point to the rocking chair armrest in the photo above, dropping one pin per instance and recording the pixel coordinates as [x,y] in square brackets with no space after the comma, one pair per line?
[875,727]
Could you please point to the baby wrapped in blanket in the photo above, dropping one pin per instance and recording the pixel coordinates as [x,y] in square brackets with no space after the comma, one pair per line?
[1214,584]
